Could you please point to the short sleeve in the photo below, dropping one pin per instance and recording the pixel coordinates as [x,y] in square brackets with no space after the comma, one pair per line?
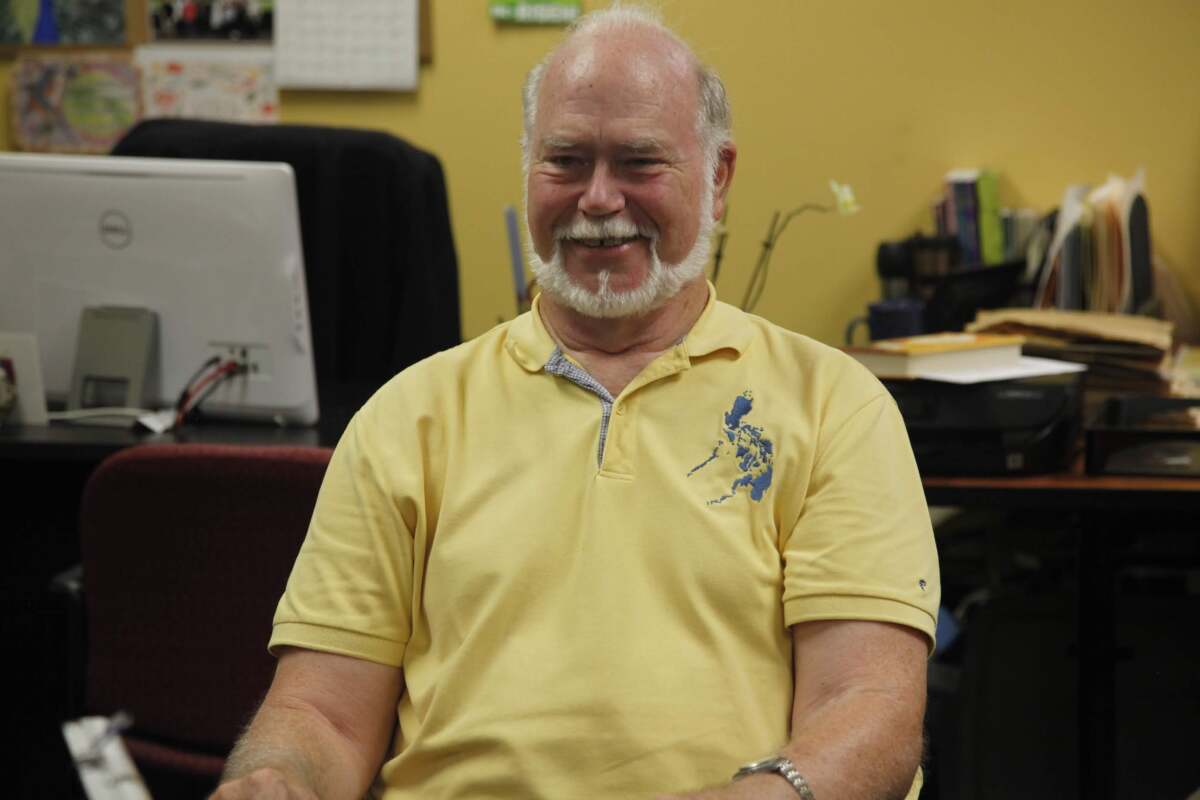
[863,547]
[350,591]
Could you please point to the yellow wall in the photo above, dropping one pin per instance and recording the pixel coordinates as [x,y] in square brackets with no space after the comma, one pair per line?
[884,95]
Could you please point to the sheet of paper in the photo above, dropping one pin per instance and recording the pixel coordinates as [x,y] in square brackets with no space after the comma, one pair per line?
[1155,333]
[351,44]
[105,768]
[1027,367]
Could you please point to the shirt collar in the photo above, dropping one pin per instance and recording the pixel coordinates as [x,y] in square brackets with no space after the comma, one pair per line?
[720,326]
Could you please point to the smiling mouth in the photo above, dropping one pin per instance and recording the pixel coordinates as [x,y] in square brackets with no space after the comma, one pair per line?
[612,242]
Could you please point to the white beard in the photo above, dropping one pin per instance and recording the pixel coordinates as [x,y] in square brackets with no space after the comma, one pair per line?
[663,282]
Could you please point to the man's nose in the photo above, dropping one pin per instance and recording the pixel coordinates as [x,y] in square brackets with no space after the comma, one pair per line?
[603,196]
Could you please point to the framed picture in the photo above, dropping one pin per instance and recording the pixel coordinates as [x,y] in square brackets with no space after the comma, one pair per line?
[72,102]
[72,23]
[211,20]
[22,398]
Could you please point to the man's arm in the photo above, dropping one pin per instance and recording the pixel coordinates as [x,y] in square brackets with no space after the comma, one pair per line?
[322,730]
[857,714]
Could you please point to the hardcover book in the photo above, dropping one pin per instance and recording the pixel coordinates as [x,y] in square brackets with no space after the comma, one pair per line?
[911,355]
[956,358]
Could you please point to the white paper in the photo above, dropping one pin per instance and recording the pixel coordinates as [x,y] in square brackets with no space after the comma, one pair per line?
[158,421]
[106,772]
[1069,213]
[350,44]
[1026,367]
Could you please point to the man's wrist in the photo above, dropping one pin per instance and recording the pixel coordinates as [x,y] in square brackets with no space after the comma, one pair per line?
[781,767]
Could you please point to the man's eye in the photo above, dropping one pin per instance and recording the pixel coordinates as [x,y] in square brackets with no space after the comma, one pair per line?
[643,163]
[566,162]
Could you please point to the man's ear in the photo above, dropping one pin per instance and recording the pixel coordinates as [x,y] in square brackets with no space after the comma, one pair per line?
[726,161]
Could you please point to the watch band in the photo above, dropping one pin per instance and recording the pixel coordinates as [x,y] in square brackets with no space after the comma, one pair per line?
[784,768]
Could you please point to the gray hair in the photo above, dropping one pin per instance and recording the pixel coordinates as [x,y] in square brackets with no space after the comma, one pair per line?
[714,118]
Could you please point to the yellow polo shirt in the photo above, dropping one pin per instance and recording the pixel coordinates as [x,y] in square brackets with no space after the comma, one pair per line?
[590,596]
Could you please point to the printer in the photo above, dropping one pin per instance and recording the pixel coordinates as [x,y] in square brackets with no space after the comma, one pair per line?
[1011,427]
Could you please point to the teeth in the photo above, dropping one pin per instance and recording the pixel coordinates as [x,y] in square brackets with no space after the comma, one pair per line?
[604,242]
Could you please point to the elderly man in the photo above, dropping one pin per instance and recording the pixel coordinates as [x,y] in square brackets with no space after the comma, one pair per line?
[627,545]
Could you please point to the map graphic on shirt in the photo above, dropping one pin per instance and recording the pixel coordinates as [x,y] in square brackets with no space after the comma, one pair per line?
[744,444]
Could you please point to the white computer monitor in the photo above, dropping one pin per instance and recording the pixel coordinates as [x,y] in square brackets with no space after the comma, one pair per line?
[213,247]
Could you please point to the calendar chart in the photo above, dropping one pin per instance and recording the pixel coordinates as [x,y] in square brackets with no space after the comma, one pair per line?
[350,44]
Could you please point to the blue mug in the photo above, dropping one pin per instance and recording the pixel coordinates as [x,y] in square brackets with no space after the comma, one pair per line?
[890,319]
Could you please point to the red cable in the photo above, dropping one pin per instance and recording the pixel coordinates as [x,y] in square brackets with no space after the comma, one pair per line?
[219,373]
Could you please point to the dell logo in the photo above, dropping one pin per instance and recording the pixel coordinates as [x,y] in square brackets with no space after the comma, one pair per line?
[115,230]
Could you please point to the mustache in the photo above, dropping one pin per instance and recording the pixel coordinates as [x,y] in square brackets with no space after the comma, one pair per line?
[609,228]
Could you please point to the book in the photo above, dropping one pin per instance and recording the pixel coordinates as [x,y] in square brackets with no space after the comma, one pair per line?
[963,212]
[991,229]
[1075,271]
[957,358]
[914,356]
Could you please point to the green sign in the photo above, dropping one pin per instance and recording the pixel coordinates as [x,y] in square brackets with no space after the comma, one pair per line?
[534,12]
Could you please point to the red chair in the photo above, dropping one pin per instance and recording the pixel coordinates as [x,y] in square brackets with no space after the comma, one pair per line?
[186,549]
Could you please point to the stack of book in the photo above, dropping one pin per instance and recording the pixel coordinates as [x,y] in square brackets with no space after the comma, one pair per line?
[1123,352]
[970,211]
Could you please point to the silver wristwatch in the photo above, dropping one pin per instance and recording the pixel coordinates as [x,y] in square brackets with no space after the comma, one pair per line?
[782,767]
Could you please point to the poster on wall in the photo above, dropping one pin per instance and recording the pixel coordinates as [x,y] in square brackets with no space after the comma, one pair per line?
[212,20]
[534,12]
[72,103]
[233,84]
[62,22]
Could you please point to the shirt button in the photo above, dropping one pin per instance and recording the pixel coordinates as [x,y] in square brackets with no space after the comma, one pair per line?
[620,411]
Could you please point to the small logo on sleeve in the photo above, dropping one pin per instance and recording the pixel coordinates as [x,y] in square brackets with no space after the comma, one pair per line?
[744,445]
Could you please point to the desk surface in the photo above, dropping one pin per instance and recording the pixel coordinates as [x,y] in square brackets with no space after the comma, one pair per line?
[1073,489]
[83,443]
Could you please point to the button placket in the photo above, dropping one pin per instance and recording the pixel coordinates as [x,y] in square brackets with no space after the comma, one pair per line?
[618,451]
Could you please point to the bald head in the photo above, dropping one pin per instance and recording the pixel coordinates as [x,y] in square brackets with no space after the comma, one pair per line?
[636,39]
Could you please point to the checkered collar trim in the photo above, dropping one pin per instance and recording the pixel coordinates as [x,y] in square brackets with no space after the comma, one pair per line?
[720,327]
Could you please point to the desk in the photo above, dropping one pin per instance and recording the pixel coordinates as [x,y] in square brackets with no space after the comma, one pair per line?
[90,444]
[1095,498]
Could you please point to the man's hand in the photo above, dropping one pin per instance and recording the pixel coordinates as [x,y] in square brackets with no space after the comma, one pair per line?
[264,784]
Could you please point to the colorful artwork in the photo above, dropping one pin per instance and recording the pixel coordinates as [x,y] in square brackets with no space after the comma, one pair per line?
[72,22]
[231,20]
[189,84]
[73,104]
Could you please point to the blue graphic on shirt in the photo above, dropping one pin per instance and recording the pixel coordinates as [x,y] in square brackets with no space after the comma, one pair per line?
[745,444]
